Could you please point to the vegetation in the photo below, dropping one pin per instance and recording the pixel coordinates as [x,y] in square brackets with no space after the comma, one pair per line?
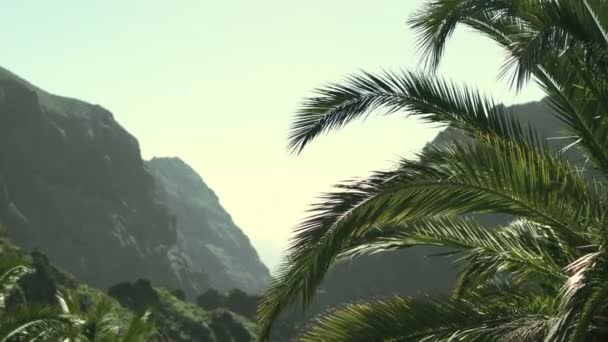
[541,277]
[34,306]
[235,300]
[40,303]
[178,320]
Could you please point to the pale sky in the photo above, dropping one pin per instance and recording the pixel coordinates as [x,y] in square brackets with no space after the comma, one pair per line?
[216,83]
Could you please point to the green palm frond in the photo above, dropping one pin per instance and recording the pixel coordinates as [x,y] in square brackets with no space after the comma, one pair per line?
[575,107]
[432,99]
[582,298]
[9,282]
[561,43]
[33,324]
[141,328]
[503,167]
[530,29]
[524,250]
[495,176]
[102,323]
[431,319]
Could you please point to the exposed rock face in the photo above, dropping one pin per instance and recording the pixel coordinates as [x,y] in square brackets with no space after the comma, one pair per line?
[75,187]
[206,232]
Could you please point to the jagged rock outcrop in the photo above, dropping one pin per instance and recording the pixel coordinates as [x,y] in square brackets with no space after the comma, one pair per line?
[73,185]
[206,232]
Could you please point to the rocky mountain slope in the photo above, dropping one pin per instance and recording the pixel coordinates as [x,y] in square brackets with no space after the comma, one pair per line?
[73,185]
[206,232]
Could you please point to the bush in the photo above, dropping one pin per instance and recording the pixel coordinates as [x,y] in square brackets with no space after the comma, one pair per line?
[138,296]
[212,299]
[242,303]
[179,294]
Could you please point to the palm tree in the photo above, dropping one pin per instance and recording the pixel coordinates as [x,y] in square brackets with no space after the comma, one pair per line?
[104,324]
[23,322]
[544,277]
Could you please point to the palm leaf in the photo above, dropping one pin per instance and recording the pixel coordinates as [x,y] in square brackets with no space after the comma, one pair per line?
[524,250]
[496,176]
[31,323]
[9,282]
[432,99]
[430,319]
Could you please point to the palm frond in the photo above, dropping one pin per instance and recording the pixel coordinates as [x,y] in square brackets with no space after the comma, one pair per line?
[496,176]
[140,329]
[29,323]
[581,297]
[524,250]
[561,43]
[9,282]
[432,99]
[429,319]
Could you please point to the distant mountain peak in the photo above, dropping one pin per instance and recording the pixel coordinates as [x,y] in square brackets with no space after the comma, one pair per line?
[208,235]
[73,185]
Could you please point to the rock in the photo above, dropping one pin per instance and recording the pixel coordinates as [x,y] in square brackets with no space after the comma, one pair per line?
[73,185]
[206,232]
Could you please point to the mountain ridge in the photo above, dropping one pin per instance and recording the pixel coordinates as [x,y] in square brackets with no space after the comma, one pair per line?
[212,235]
[74,186]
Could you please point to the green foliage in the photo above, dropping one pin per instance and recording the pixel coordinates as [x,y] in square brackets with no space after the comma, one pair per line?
[185,321]
[43,304]
[211,300]
[242,303]
[179,294]
[541,277]
[236,301]
[139,296]
[137,312]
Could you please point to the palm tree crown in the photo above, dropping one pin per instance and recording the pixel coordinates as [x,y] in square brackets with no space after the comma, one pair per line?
[541,278]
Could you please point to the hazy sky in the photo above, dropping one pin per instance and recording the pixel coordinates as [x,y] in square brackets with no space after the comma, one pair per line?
[217,82]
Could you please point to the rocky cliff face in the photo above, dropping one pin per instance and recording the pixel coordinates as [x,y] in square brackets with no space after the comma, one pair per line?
[206,232]
[73,186]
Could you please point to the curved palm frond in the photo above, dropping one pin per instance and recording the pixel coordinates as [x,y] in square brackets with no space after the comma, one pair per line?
[33,324]
[561,43]
[9,282]
[496,176]
[531,29]
[524,250]
[433,99]
[582,298]
[433,319]
[140,329]
[561,235]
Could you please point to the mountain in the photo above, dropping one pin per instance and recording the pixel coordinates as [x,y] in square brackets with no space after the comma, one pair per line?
[73,185]
[205,231]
